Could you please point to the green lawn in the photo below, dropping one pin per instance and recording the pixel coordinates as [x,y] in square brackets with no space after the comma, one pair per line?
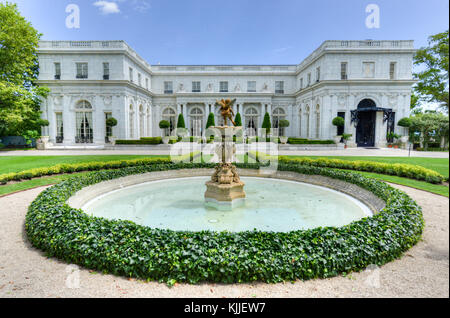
[20,163]
[16,164]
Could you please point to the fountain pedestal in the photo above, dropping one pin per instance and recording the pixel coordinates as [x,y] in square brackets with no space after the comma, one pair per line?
[225,191]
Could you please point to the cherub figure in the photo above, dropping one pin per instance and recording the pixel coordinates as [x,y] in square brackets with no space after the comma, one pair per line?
[226,110]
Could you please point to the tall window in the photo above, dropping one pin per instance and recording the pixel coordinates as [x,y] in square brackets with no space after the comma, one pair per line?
[341,129]
[344,71]
[131,74]
[108,129]
[59,128]
[82,70]
[139,79]
[171,116]
[369,69]
[146,83]
[309,79]
[168,87]
[251,86]
[301,83]
[251,121]
[318,74]
[84,125]
[196,118]
[300,122]
[279,87]
[106,71]
[392,70]
[278,114]
[196,87]
[57,71]
[224,87]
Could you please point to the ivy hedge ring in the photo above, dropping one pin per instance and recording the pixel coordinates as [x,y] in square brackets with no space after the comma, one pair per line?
[124,248]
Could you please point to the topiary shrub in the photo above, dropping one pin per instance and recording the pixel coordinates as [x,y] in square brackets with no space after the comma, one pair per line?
[266,123]
[211,121]
[238,120]
[338,122]
[180,123]
[405,122]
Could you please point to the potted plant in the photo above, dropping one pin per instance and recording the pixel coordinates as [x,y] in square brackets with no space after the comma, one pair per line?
[338,122]
[164,125]
[284,123]
[346,138]
[111,122]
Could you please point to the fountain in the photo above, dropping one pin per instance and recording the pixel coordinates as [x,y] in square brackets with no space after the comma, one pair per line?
[225,190]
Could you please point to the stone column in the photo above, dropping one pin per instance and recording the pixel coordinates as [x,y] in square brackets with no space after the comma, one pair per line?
[69,121]
[98,118]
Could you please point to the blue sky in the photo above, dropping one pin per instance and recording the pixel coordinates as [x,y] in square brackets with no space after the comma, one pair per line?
[235,31]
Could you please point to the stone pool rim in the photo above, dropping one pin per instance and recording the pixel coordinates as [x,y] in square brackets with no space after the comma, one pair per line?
[87,194]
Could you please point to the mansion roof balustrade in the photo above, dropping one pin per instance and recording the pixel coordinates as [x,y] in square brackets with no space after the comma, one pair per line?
[90,45]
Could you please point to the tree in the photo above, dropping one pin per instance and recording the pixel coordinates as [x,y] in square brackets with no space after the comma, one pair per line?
[238,120]
[164,125]
[266,123]
[211,121]
[433,80]
[429,127]
[284,123]
[111,122]
[20,97]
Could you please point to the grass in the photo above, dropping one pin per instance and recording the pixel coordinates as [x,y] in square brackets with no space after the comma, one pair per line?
[20,163]
[39,182]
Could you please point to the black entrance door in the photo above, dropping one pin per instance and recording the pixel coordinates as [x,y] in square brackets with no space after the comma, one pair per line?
[365,131]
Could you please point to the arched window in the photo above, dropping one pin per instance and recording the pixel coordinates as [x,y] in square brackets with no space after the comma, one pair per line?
[84,125]
[277,115]
[251,121]
[131,121]
[170,115]
[141,121]
[196,118]
[318,121]
[307,121]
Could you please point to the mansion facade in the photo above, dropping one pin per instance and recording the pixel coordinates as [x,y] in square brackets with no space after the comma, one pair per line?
[368,83]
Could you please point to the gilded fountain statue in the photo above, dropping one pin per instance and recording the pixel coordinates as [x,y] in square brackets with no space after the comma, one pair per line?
[225,190]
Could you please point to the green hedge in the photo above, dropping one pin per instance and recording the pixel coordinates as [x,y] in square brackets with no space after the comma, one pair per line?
[300,141]
[142,141]
[125,248]
[394,169]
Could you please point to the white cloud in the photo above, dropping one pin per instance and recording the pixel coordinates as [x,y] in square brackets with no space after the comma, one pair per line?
[107,7]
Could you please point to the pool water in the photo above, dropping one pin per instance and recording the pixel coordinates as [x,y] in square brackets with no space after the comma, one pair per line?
[271,205]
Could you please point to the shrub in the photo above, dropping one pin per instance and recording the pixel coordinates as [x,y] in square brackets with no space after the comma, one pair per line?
[125,248]
[405,122]
[338,122]
[180,123]
[396,169]
[111,122]
[142,141]
[164,124]
[300,141]
[211,121]
[2,146]
[238,120]
[266,123]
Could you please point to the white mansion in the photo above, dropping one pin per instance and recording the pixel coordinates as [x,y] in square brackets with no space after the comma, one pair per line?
[368,83]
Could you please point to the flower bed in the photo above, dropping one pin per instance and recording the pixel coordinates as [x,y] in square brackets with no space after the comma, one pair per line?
[127,249]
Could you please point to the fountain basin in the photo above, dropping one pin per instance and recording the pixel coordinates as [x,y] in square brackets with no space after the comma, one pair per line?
[272,204]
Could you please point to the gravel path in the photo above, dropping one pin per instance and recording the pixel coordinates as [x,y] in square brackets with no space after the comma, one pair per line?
[26,272]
